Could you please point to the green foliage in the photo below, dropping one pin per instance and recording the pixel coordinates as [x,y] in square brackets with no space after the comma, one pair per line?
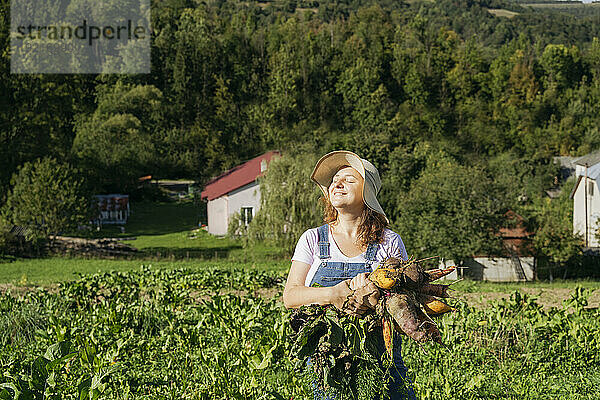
[237,229]
[289,202]
[561,65]
[50,377]
[48,197]
[522,179]
[117,137]
[231,80]
[148,333]
[451,210]
[8,241]
[340,353]
[183,334]
[524,338]
[554,238]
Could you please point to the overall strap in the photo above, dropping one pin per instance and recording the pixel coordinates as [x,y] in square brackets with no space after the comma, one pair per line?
[370,254]
[323,235]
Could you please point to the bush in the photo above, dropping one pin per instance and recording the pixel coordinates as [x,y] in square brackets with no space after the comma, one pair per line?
[47,198]
[237,229]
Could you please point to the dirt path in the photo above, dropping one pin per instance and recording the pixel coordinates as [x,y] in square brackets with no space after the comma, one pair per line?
[547,297]
[21,290]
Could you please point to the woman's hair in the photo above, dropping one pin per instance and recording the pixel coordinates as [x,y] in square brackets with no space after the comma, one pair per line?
[371,227]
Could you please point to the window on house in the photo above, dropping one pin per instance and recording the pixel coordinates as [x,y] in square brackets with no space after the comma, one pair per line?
[591,188]
[247,213]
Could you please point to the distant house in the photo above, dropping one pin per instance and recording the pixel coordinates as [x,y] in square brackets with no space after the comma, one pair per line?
[586,199]
[113,209]
[235,190]
[516,264]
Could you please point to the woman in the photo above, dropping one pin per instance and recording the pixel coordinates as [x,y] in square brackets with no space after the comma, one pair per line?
[331,263]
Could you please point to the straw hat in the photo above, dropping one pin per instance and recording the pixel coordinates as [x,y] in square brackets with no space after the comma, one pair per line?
[331,163]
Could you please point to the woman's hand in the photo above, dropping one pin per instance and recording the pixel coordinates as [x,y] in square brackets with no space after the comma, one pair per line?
[354,302]
[344,299]
[359,281]
[365,290]
[368,294]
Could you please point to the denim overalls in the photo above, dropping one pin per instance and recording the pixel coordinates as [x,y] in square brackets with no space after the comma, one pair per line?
[330,273]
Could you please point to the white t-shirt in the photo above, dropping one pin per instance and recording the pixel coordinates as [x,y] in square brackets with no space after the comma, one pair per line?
[307,251]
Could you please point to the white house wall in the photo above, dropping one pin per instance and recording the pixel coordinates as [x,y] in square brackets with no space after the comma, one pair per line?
[593,211]
[217,216]
[246,196]
[220,210]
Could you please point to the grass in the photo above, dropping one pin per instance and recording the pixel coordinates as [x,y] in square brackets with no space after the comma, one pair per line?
[169,230]
[200,244]
[167,236]
[48,271]
[152,219]
[498,12]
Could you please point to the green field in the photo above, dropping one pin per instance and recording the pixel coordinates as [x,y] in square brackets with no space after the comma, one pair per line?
[166,235]
[50,271]
[188,334]
[498,12]
[187,328]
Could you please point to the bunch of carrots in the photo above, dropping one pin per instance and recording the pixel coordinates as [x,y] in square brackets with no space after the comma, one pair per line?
[409,300]
[341,350]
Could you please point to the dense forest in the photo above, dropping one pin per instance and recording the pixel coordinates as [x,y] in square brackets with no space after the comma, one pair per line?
[426,90]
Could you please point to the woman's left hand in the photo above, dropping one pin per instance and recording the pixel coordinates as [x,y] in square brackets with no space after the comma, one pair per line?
[359,281]
[369,295]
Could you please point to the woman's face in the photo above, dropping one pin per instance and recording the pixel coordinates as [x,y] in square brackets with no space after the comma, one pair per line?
[345,191]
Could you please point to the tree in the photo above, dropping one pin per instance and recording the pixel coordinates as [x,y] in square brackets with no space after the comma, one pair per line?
[562,65]
[289,202]
[451,210]
[115,144]
[47,197]
[554,238]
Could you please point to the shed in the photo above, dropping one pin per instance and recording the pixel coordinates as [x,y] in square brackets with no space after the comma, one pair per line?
[235,190]
[517,262]
[113,209]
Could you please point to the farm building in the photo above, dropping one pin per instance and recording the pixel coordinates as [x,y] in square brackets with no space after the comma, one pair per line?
[517,264]
[235,190]
[586,199]
[113,209]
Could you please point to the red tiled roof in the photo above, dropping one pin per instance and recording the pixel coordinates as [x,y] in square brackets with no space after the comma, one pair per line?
[518,230]
[515,239]
[236,177]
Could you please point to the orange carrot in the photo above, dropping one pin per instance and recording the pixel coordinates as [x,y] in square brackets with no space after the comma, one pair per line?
[388,333]
[435,274]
